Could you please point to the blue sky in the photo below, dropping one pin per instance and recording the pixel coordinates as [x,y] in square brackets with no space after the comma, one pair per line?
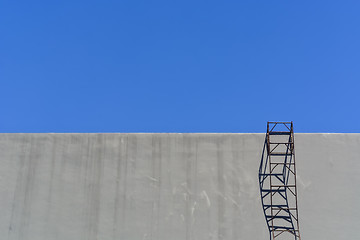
[179,66]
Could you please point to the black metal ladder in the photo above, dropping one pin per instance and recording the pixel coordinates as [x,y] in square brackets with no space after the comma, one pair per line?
[277,181]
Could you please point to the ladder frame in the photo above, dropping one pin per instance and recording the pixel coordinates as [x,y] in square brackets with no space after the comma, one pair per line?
[278,196]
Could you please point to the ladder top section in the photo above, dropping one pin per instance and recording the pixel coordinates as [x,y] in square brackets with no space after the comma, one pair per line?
[279,128]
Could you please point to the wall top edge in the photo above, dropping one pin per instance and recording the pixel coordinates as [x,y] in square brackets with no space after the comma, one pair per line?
[140,133]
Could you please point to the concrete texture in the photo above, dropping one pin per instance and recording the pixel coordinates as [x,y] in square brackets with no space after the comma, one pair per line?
[168,186]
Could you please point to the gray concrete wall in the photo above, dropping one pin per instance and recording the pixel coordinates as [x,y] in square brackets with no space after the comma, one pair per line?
[168,186]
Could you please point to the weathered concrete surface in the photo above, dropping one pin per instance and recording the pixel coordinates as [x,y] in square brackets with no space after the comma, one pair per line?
[168,186]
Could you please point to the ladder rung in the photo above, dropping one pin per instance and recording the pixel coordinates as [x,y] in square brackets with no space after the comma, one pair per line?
[273,190]
[276,205]
[280,153]
[271,174]
[283,186]
[283,208]
[279,133]
[277,216]
[292,230]
[280,122]
[281,163]
[283,227]
[281,143]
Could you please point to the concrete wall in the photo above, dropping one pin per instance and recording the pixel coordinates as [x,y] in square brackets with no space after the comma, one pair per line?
[168,186]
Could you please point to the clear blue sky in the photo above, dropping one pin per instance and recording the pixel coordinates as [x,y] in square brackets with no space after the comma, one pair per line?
[179,66]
